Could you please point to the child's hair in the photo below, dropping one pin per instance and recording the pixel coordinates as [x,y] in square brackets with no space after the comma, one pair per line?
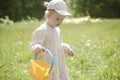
[48,11]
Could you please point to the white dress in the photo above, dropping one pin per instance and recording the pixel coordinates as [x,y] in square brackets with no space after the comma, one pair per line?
[49,38]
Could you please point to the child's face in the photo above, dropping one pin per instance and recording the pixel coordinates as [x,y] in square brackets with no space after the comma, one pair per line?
[55,19]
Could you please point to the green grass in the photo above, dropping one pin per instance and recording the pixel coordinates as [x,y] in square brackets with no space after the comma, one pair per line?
[97,48]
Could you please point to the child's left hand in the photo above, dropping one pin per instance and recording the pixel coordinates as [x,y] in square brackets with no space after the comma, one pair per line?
[71,52]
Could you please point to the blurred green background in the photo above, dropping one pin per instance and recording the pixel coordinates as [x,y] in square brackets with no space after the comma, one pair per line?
[23,9]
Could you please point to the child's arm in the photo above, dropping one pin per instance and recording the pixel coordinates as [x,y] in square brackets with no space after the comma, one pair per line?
[67,49]
[37,41]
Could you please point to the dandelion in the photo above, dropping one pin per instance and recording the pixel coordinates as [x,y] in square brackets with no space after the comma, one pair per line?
[88,43]
[20,42]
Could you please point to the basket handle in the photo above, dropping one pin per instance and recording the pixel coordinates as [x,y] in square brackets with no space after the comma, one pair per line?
[51,57]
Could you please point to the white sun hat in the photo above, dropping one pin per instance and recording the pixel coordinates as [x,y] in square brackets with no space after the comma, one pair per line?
[59,6]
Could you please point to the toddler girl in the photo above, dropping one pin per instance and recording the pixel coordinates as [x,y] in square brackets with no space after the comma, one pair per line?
[47,36]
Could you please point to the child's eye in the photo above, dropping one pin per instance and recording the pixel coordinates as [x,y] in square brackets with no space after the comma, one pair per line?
[57,18]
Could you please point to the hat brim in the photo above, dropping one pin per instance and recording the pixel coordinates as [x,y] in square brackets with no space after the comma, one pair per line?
[63,13]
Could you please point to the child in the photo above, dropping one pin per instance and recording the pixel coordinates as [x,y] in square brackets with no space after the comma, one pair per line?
[47,36]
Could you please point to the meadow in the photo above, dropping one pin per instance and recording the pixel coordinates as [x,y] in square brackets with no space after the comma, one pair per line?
[96,45]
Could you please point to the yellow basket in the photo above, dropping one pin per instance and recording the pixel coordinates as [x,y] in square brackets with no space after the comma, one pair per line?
[40,70]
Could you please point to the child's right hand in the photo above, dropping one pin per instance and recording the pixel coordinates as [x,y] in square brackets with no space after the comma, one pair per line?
[38,49]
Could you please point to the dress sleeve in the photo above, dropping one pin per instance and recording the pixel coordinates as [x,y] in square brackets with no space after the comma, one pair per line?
[38,38]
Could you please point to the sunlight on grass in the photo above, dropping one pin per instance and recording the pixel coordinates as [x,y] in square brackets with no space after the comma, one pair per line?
[96,45]
[82,19]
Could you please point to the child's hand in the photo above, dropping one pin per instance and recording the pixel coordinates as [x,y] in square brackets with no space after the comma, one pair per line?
[71,52]
[38,49]
[67,49]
